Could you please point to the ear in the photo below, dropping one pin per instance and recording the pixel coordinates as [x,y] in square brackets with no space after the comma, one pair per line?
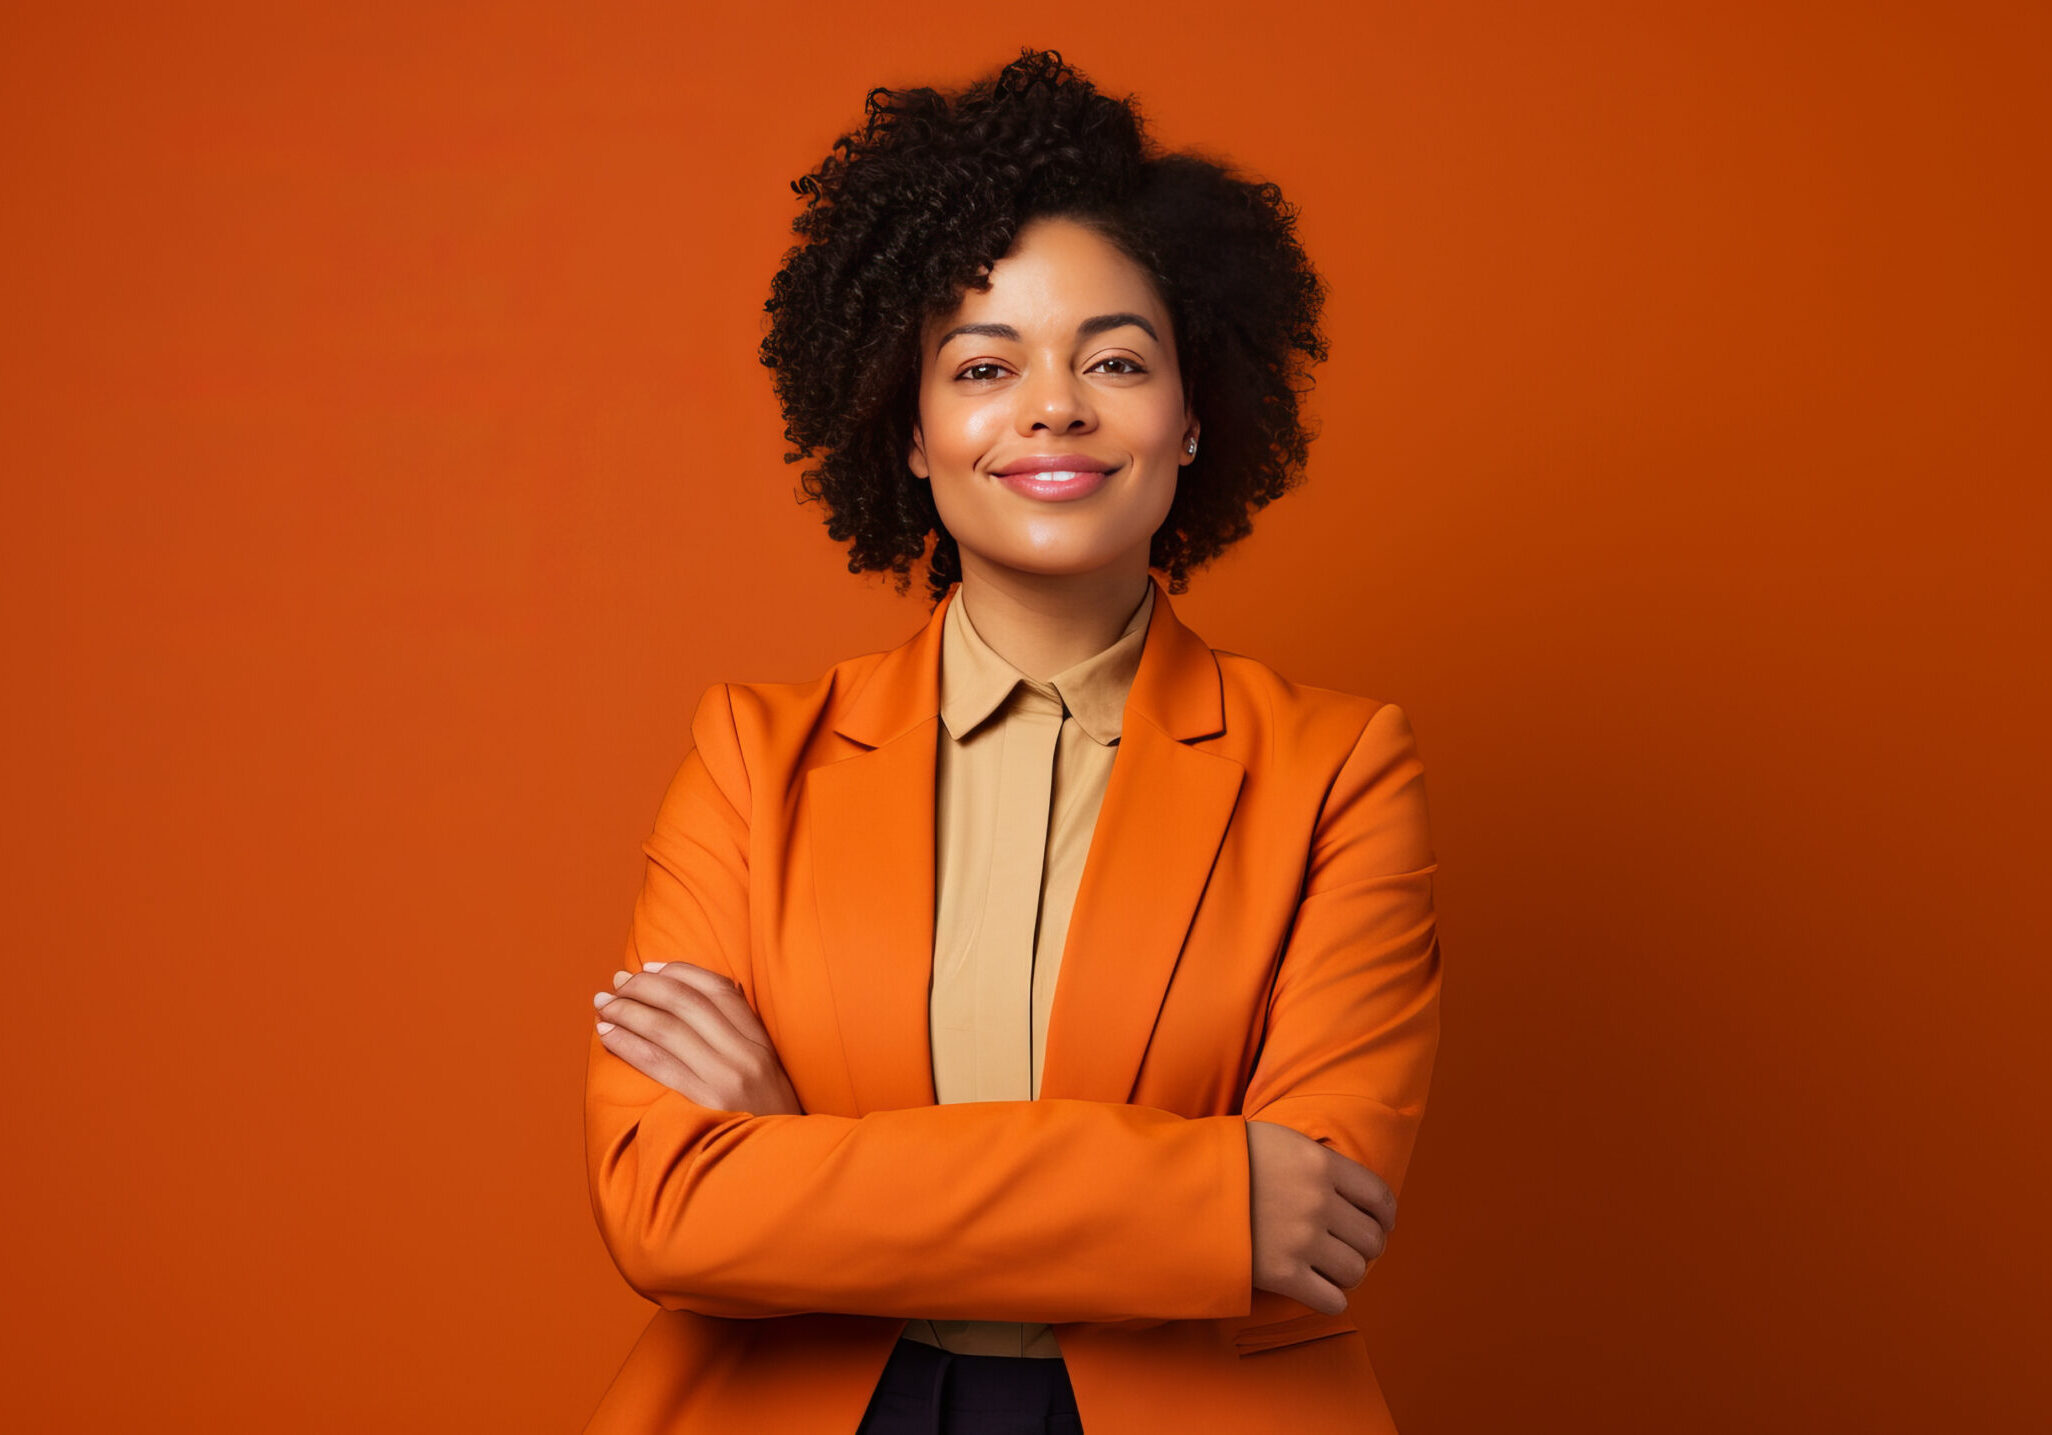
[916,459]
[1190,430]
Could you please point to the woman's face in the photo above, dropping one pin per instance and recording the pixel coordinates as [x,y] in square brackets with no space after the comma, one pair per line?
[1067,357]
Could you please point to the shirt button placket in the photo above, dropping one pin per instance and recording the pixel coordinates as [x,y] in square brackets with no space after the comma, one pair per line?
[1032,728]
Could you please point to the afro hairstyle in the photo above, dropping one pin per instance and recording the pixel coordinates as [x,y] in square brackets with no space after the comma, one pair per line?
[910,211]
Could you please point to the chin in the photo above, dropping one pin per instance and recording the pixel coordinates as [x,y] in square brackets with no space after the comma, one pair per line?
[1048,565]
[1062,558]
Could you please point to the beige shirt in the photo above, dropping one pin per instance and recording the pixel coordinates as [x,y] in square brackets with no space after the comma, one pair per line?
[1020,775]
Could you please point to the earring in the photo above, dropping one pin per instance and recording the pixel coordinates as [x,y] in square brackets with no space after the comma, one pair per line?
[1191,446]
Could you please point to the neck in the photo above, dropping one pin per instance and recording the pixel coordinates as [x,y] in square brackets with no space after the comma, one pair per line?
[1042,623]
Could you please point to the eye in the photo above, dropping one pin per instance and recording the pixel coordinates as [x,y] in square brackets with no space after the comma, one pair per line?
[970,372]
[1132,366]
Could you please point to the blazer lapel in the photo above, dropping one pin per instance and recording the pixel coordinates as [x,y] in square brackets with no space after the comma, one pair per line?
[873,859]
[1165,812]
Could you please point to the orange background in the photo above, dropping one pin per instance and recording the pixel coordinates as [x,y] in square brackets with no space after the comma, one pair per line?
[389,468]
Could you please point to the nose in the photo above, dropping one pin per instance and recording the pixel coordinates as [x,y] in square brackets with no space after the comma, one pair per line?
[1053,399]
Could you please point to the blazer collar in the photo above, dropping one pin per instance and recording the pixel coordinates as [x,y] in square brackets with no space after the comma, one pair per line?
[1167,805]
[1176,687]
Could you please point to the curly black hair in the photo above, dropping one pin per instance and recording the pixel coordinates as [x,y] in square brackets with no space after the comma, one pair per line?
[906,214]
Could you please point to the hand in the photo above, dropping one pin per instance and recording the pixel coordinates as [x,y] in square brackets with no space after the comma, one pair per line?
[694,1031]
[1319,1217]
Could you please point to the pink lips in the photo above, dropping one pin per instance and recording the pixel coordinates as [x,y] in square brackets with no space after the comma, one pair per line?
[1057,488]
[1055,477]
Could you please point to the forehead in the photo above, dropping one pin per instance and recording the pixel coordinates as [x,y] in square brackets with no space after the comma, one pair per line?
[1055,272]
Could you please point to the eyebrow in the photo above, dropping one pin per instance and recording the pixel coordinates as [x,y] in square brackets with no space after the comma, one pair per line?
[1084,330]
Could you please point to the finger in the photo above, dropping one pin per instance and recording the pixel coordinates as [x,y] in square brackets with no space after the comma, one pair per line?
[722,996]
[661,1026]
[1339,1263]
[703,1028]
[706,978]
[1365,1189]
[724,993]
[649,1059]
[1316,1291]
[1361,1231]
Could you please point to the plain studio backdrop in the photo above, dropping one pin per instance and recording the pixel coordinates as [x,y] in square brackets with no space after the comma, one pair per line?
[389,468]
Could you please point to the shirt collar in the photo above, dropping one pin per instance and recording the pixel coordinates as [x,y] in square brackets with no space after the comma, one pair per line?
[975,681]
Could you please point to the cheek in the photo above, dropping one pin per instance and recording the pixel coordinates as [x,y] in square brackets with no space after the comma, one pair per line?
[960,432]
[1163,424]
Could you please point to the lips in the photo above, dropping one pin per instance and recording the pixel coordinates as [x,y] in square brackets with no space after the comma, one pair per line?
[1056,485]
[1054,463]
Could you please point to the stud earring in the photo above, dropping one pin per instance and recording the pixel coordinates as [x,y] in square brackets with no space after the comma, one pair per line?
[1191,446]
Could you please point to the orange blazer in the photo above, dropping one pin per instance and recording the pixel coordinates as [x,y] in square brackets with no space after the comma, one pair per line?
[1253,937]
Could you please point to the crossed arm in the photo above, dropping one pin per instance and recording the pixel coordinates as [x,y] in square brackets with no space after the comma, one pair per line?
[714,1192]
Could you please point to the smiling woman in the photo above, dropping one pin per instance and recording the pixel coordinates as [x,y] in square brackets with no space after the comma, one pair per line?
[1027,1026]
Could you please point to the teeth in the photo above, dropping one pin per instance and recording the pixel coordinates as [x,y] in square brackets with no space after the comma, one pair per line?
[1054,474]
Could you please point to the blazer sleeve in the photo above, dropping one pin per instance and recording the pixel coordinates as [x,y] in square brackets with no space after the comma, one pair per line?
[949,1211]
[1353,1018]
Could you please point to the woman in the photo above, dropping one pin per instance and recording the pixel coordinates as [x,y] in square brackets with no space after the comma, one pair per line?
[1026,1027]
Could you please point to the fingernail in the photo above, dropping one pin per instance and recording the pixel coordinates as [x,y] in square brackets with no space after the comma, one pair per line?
[653,966]
[601,998]
[619,978]
[605,1026]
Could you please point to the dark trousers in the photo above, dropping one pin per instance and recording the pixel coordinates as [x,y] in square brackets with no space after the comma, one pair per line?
[929,1391]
